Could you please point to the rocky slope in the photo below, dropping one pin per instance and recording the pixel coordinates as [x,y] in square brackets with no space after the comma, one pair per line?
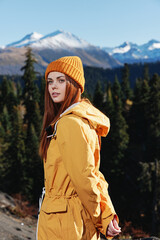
[14,223]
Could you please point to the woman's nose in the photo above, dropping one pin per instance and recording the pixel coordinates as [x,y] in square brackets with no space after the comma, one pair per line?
[54,85]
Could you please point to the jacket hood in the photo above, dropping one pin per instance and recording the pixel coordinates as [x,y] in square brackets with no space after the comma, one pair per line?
[96,118]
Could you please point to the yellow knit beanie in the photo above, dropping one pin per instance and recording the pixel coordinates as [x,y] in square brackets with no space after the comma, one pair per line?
[71,66]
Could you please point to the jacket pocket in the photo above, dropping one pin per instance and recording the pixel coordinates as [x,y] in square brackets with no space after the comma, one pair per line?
[51,205]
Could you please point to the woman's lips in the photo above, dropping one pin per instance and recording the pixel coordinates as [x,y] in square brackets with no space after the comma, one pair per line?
[55,94]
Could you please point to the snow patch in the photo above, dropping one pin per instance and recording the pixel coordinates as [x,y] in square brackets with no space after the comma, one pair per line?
[28,39]
[60,39]
[135,53]
[121,49]
[2,47]
[154,46]
[57,39]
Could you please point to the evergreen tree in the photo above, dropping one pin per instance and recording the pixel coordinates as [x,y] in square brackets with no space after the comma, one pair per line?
[136,153]
[12,99]
[5,90]
[37,94]
[106,150]
[146,72]
[138,113]
[117,91]
[30,93]
[115,145]
[5,121]
[126,89]
[3,148]
[98,97]
[5,136]
[153,147]
[120,136]
[15,153]
[109,105]
[29,75]
[146,136]
[144,101]
[42,94]
[114,153]
[37,119]
[33,171]
[120,141]
[19,93]
[32,164]
[154,110]
[138,90]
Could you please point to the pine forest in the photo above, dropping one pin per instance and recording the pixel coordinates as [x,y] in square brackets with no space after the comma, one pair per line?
[130,154]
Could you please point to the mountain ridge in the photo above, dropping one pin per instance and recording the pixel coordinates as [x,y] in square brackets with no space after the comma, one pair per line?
[35,39]
[59,43]
[129,52]
[50,47]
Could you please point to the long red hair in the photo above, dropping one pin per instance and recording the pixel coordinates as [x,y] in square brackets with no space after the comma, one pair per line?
[53,110]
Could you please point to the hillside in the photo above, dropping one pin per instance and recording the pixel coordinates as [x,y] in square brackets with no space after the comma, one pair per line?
[14,221]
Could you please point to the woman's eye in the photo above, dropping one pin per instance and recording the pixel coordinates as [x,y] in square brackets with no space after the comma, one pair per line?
[50,82]
[61,80]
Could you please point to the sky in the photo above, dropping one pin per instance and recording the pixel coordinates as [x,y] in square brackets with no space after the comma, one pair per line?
[104,23]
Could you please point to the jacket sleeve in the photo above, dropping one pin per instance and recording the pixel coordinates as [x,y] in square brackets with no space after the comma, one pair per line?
[78,157]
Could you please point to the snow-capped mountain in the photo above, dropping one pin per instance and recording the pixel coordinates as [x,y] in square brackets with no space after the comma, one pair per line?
[57,39]
[130,53]
[60,39]
[27,40]
[59,43]
[50,47]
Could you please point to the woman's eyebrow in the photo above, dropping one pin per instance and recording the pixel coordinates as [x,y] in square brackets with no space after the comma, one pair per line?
[49,79]
[60,76]
[56,78]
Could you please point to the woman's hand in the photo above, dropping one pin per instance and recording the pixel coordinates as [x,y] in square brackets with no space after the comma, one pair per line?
[113,228]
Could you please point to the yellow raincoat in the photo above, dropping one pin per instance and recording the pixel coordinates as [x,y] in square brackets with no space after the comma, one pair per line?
[76,205]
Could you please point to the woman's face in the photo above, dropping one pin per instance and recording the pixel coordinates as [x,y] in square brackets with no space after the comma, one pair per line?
[57,86]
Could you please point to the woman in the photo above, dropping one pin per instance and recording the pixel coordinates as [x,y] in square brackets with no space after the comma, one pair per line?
[76,203]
